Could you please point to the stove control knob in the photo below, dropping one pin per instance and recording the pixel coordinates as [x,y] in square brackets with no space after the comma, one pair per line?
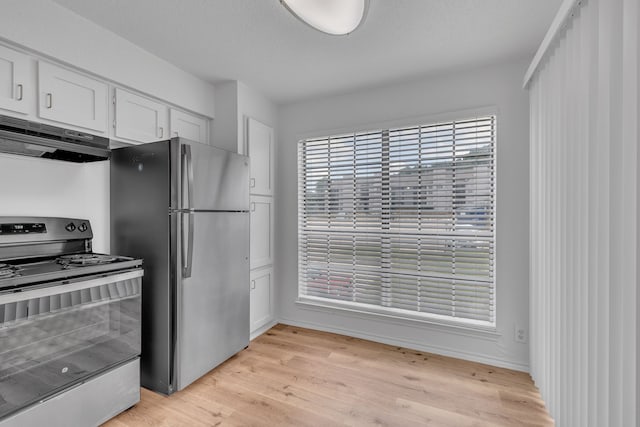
[82,227]
[70,227]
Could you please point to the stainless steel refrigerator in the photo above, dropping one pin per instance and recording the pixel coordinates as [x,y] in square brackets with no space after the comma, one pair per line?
[183,207]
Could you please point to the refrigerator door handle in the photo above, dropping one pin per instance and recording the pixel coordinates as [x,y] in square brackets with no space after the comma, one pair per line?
[187,178]
[187,250]
[188,169]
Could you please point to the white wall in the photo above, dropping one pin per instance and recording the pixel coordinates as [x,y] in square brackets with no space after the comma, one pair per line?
[51,30]
[252,103]
[227,127]
[38,187]
[236,102]
[498,86]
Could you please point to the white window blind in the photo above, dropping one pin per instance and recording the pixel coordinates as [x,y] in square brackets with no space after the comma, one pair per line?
[401,221]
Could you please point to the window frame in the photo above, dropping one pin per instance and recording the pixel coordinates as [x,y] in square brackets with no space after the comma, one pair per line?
[389,314]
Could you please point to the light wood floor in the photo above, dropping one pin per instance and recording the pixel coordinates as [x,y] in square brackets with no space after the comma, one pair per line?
[300,377]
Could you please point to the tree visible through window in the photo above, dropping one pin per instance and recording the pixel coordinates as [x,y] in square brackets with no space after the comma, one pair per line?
[401,221]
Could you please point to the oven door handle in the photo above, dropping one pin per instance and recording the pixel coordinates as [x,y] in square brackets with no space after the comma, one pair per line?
[55,289]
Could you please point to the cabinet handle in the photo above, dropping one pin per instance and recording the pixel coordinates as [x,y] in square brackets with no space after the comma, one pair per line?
[253,207]
[19,97]
[253,182]
[49,100]
[161,132]
[253,284]
[176,134]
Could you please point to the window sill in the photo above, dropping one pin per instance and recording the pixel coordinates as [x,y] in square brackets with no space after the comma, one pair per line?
[469,330]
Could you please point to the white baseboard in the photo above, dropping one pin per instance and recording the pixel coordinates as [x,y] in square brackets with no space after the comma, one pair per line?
[473,357]
[262,329]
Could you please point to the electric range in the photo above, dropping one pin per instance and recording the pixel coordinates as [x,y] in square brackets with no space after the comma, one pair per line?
[70,325]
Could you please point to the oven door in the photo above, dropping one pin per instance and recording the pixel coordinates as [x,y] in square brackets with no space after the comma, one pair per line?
[59,334]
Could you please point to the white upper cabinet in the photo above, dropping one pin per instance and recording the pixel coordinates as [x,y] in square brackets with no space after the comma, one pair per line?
[261,147]
[139,119]
[188,126]
[71,98]
[14,80]
[41,90]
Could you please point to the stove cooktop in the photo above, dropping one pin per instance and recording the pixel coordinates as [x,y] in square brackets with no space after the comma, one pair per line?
[29,271]
[37,250]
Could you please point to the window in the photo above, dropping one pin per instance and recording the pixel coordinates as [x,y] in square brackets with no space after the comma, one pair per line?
[401,221]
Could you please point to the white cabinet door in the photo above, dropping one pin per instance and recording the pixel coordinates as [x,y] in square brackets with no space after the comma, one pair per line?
[189,126]
[71,98]
[261,295]
[261,147]
[261,231]
[14,80]
[139,119]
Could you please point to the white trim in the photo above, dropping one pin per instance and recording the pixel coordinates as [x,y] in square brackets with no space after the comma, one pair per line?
[262,329]
[384,339]
[496,142]
[243,143]
[566,11]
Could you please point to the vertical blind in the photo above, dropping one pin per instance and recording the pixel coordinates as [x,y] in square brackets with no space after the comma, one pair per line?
[584,105]
[401,221]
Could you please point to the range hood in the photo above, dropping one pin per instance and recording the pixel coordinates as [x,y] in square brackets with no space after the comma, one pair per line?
[33,139]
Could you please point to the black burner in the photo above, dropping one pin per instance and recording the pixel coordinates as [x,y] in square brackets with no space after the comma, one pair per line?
[81,260]
[7,271]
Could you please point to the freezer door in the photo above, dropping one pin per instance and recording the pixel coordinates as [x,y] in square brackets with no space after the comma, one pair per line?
[211,178]
[213,303]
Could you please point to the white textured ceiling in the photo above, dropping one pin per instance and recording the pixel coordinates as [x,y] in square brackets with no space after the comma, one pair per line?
[261,44]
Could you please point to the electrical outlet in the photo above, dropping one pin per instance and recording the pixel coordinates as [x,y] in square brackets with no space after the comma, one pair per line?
[520,334]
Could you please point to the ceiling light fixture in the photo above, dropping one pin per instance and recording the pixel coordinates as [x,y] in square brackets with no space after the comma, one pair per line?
[335,17]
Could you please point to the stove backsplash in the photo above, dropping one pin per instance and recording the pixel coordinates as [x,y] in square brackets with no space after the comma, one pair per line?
[38,187]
